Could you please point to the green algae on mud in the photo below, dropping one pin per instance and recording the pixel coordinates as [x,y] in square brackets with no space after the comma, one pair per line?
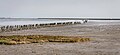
[27,39]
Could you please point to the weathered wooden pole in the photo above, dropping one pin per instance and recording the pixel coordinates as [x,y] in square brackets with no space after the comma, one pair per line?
[36,25]
[0,29]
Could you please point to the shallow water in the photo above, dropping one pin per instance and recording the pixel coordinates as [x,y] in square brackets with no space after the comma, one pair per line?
[4,22]
[103,22]
[22,21]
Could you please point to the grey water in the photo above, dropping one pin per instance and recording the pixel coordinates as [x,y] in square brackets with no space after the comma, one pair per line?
[103,22]
[4,22]
[24,21]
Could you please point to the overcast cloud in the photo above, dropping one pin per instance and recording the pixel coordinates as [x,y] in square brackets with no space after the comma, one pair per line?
[59,8]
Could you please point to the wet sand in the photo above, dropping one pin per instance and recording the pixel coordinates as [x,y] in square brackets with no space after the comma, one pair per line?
[105,40]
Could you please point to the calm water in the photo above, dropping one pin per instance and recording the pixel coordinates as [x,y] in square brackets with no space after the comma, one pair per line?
[103,22]
[4,22]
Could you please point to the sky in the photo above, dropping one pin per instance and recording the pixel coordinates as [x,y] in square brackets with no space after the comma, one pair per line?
[59,8]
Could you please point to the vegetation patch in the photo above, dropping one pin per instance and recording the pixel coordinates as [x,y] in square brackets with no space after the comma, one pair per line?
[17,39]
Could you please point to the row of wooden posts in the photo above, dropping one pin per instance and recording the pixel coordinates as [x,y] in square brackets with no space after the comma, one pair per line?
[33,26]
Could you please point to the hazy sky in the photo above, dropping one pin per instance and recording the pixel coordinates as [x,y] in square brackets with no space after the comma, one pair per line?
[59,8]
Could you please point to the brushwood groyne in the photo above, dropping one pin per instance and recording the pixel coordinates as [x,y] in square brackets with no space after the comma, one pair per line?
[9,28]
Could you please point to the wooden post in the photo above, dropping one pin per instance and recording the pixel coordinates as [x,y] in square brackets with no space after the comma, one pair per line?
[36,25]
[0,29]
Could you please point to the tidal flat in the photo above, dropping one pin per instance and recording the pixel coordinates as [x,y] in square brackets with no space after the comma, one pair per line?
[105,40]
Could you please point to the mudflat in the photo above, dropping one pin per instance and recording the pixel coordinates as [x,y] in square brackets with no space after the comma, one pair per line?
[105,40]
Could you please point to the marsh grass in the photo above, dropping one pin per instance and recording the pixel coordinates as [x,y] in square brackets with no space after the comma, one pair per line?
[17,39]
